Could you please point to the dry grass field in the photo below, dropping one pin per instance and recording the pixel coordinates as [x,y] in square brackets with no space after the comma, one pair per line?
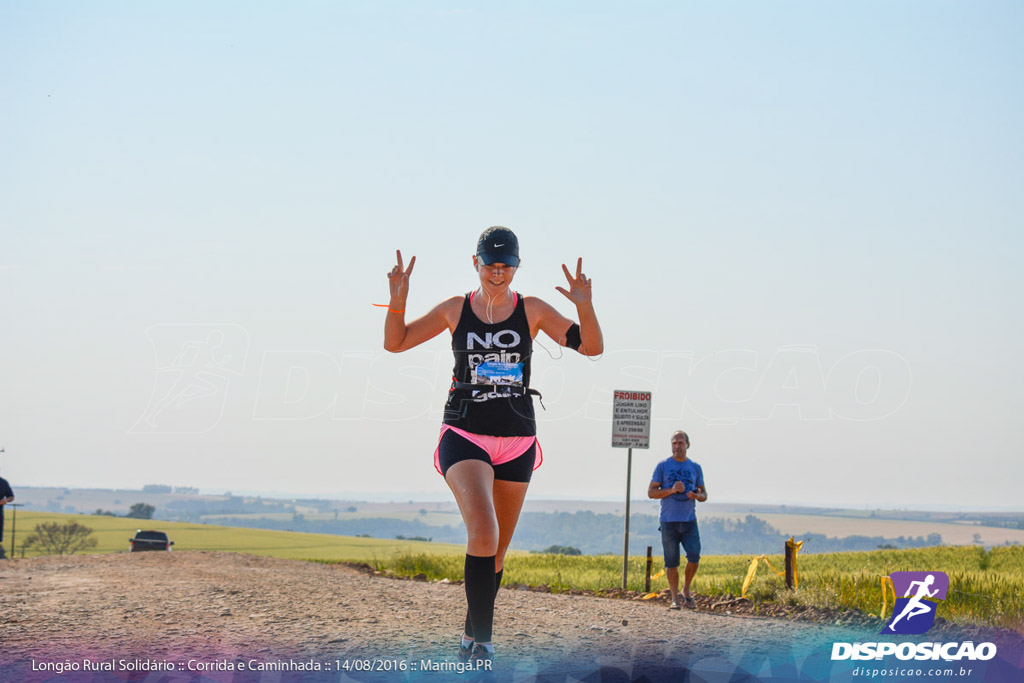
[952,533]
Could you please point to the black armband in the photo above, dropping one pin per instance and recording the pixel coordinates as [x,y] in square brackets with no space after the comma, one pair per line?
[572,337]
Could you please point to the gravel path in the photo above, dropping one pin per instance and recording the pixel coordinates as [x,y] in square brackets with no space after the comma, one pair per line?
[214,607]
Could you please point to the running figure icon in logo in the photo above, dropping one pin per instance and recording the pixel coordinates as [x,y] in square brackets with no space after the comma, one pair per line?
[916,609]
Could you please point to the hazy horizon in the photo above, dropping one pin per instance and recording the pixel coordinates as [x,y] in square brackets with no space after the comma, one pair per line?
[406,497]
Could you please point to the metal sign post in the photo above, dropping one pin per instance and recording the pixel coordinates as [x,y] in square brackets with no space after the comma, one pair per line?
[631,428]
[625,535]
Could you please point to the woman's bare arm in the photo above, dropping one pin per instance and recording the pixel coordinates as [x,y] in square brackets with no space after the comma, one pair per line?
[401,336]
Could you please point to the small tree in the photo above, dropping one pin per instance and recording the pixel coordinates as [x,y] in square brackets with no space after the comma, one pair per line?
[141,511]
[562,550]
[51,538]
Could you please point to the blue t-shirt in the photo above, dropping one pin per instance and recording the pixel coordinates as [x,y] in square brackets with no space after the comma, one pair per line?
[677,507]
[5,492]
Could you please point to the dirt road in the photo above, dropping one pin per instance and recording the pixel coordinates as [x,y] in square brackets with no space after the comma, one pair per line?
[199,612]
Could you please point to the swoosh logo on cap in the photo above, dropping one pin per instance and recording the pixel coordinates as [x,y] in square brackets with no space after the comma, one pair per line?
[499,245]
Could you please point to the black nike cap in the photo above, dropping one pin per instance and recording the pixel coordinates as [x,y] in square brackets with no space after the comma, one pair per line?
[498,245]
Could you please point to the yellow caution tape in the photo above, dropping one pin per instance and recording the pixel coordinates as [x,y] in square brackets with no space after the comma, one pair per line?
[886,581]
[750,575]
[656,576]
[752,570]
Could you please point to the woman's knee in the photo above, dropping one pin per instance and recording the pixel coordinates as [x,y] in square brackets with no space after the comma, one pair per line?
[483,533]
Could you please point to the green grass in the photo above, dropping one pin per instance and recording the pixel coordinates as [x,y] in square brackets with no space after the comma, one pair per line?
[986,587]
[112,534]
[430,519]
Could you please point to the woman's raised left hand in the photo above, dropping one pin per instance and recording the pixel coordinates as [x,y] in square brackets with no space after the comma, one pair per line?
[579,286]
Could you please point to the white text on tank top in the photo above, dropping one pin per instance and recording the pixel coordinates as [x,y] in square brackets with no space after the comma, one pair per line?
[498,366]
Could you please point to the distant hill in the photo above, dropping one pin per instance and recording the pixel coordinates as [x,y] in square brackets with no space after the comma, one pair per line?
[592,526]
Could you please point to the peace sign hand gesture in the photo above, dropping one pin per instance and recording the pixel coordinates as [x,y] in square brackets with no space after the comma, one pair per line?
[579,287]
[398,278]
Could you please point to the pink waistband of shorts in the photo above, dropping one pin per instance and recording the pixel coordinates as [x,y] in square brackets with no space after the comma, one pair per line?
[500,449]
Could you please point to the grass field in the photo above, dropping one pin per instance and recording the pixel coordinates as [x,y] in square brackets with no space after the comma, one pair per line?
[956,528]
[986,586]
[112,534]
[952,533]
[430,518]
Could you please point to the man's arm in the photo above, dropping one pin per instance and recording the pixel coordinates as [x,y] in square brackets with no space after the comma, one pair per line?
[700,495]
[655,491]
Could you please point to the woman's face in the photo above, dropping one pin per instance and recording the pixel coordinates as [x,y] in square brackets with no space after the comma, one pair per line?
[495,278]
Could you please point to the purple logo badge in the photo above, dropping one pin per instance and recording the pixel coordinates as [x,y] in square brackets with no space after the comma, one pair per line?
[914,612]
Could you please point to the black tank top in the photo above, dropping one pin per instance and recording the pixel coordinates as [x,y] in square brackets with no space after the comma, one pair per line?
[492,375]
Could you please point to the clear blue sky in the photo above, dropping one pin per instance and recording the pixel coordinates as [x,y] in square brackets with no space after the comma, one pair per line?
[802,221]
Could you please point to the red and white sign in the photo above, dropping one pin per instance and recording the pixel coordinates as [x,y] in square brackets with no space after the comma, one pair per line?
[631,419]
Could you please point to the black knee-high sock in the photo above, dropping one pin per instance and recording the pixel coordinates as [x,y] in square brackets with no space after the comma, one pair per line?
[497,585]
[470,631]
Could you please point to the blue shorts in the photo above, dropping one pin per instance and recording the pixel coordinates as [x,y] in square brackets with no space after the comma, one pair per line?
[674,533]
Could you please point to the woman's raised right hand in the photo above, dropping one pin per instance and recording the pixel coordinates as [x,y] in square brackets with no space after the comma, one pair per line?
[398,278]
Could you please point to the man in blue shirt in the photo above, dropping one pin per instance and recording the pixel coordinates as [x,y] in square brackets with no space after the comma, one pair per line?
[679,483]
[6,496]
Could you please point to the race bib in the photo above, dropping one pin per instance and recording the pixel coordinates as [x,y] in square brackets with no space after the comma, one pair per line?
[497,373]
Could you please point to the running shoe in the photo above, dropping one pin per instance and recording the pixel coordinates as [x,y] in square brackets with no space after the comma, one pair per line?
[481,654]
[464,652]
[674,604]
[690,604]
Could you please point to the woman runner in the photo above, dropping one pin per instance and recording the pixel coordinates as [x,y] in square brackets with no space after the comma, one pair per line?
[488,447]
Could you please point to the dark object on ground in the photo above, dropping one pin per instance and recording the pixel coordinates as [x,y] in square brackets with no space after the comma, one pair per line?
[150,540]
